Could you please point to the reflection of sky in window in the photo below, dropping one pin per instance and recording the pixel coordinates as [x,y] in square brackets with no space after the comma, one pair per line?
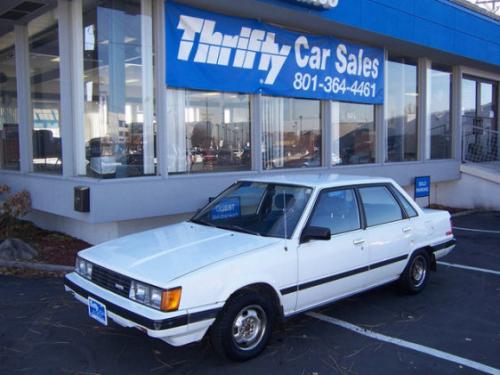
[401,97]
[468,95]
[440,91]
[486,93]
[301,113]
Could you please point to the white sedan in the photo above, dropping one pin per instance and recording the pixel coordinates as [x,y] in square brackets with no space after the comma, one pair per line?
[263,250]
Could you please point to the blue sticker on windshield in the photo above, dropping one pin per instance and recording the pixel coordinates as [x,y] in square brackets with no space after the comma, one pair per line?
[227,208]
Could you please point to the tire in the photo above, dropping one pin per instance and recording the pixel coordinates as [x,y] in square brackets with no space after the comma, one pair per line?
[243,327]
[416,274]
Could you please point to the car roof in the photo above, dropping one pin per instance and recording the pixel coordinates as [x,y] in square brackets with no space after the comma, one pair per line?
[319,180]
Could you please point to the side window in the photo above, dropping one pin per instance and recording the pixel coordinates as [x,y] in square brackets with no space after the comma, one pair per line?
[407,206]
[380,205]
[337,210]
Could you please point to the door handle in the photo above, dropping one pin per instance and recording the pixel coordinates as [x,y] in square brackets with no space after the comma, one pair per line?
[358,242]
[406,229]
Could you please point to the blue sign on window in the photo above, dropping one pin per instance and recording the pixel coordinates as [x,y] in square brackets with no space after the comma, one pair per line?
[227,208]
[209,51]
[422,186]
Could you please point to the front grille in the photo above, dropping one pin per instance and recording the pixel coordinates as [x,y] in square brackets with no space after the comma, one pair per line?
[110,280]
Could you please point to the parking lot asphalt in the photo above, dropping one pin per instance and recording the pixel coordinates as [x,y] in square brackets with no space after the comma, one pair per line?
[43,330]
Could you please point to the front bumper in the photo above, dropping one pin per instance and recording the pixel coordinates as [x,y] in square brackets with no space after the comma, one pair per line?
[179,328]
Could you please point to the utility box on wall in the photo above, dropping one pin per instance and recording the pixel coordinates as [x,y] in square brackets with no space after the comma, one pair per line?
[82,198]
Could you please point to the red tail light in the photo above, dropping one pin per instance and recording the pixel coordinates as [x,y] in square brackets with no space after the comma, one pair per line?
[450,231]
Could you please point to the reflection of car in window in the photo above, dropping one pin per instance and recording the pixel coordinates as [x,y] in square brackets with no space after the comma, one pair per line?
[102,156]
[261,251]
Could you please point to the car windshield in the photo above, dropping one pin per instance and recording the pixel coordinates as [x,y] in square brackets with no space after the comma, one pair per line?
[263,209]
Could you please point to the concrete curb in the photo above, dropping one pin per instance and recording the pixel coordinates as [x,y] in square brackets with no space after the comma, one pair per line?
[36,266]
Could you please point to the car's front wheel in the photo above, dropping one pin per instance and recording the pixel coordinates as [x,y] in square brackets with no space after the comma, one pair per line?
[416,274]
[243,328]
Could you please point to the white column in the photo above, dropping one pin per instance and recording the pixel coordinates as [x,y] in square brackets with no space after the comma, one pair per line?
[327,137]
[423,117]
[456,113]
[161,89]
[24,107]
[424,108]
[147,85]
[381,125]
[335,129]
[256,132]
[65,66]
[80,163]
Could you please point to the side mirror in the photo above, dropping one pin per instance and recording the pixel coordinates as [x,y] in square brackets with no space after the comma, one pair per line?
[315,233]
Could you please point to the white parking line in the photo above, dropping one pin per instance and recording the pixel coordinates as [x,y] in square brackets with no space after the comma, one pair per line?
[406,344]
[469,268]
[477,230]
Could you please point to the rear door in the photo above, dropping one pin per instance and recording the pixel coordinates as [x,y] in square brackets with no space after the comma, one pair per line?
[331,269]
[389,233]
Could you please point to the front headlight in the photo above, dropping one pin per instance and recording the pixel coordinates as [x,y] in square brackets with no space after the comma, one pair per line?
[164,300]
[83,268]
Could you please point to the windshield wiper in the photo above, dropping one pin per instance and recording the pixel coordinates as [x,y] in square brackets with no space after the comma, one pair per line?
[239,229]
[202,222]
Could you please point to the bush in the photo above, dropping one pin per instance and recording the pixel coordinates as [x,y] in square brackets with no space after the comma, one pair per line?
[13,208]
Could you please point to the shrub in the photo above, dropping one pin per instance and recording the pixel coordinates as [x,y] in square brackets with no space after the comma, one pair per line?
[14,207]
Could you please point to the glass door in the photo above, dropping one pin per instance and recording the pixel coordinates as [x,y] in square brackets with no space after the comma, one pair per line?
[479,120]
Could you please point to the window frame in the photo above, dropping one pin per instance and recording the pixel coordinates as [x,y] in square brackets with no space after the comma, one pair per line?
[388,187]
[339,188]
[395,192]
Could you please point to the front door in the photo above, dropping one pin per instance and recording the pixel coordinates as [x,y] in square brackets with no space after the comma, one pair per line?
[479,120]
[331,269]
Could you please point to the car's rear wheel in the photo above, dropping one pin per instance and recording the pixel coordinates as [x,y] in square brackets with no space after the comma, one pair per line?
[416,274]
[243,328]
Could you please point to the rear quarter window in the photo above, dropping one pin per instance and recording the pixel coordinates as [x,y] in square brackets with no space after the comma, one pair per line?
[404,202]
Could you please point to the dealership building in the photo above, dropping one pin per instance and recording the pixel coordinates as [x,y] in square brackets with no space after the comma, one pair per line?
[123,115]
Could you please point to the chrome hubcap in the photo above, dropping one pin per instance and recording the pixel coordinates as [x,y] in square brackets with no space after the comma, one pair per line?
[249,327]
[418,271]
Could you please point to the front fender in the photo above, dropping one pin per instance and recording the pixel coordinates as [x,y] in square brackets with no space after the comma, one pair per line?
[217,282]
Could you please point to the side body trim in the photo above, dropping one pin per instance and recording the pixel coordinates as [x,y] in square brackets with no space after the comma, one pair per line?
[328,279]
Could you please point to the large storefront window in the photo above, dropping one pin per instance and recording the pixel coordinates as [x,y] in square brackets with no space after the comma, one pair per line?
[439,133]
[291,132]
[45,92]
[208,131]
[353,128]
[479,120]
[401,110]
[9,133]
[119,123]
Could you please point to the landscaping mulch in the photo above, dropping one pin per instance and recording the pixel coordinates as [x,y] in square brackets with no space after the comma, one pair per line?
[53,247]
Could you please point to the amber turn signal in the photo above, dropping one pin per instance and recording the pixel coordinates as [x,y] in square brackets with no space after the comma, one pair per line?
[171,299]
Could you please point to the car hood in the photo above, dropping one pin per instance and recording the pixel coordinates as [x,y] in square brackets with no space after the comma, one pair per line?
[164,254]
